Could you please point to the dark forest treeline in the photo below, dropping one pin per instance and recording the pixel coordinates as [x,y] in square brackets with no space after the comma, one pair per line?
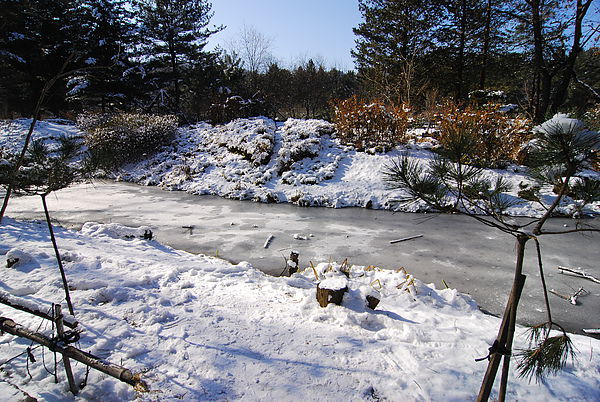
[533,50]
[147,56]
[150,56]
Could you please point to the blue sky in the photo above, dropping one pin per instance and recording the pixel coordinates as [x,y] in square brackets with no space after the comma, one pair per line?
[299,29]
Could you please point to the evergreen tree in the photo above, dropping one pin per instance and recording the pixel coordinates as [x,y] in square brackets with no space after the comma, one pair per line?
[391,39]
[109,32]
[275,84]
[554,33]
[563,150]
[458,42]
[175,33]
[37,39]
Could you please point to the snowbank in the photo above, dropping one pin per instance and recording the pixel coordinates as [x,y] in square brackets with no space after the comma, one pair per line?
[299,161]
[199,328]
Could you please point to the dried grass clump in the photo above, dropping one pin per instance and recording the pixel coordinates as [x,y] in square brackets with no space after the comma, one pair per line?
[592,118]
[116,139]
[494,137]
[370,124]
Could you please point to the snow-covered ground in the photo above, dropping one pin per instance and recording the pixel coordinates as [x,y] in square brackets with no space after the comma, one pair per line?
[199,328]
[299,161]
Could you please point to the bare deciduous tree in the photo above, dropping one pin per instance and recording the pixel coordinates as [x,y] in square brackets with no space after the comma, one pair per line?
[254,48]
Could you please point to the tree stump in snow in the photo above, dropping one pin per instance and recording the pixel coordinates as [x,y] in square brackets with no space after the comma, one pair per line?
[294,257]
[331,290]
[372,302]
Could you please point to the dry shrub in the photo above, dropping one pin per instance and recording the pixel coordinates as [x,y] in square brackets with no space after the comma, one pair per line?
[495,138]
[370,124]
[592,118]
[116,139]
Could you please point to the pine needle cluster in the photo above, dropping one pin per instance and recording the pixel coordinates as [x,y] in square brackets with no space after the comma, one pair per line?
[545,355]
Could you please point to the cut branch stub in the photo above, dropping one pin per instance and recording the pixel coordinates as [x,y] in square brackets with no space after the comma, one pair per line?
[294,257]
[331,290]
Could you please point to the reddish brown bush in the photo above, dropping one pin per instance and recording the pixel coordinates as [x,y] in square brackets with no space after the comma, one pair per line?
[370,124]
[496,137]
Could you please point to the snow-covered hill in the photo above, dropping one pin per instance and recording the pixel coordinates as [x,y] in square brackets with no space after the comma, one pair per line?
[299,161]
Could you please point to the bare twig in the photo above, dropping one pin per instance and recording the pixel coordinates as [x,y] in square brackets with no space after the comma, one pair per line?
[405,239]
[578,272]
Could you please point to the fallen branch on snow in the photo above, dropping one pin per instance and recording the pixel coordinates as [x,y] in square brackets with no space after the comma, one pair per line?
[570,298]
[268,241]
[578,272]
[405,239]
[113,370]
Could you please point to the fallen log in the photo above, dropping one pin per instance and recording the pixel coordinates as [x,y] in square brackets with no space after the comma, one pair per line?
[595,331]
[113,370]
[578,272]
[405,239]
[12,301]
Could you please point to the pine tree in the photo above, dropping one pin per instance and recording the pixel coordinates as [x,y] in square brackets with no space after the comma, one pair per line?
[554,33]
[175,33]
[563,149]
[458,40]
[392,38]
[109,33]
[36,40]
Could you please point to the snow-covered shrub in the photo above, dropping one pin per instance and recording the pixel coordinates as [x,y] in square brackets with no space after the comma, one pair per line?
[483,96]
[370,124]
[494,138]
[301,139]
[115,139]
[303,157]
[253,139]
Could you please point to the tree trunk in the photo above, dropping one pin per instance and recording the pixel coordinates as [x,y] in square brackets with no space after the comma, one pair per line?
[461,52]
[175,72]
[543,78]
[505,334]
[560,93]
[58,259]
[486,44]
[326,296]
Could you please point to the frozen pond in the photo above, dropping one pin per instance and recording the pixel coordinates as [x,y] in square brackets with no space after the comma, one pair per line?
[466,255]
